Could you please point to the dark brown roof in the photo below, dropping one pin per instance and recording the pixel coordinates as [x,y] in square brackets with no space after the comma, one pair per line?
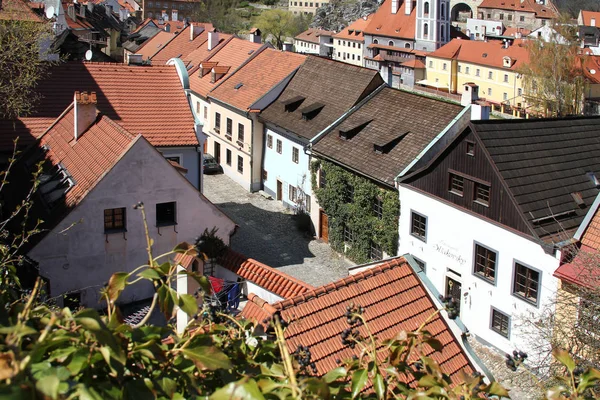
[542,162]
[402,123]
[394,300]
[331,85]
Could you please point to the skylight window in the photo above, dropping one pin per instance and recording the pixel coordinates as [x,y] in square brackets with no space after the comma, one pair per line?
[239,85]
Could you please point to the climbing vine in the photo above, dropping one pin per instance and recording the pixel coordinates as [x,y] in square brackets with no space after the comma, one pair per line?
[348,200]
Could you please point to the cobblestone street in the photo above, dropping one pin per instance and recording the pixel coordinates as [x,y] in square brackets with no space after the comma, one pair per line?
[268,234]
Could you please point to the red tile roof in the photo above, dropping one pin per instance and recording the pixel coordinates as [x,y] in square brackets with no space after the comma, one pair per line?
[414,63]
[588,15]
[394,299]
[257,76]
[591,68]
[541,11]
[514,31]
[18,10]
[355,31]
[399,25]
[232,54]
[185,260]
[484,53]
[312,35]
[181,46]
[584,270]
[264,276]
[88,158]
[258,310]
[154,44]
[202,52]
[143,99]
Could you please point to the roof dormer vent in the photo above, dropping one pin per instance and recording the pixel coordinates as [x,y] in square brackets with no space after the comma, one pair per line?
[291,104]
[594,178]
[506,62]
[311,111]
[578,199]
[384,148]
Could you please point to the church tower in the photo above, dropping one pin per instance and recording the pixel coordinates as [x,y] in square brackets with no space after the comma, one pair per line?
[433,24]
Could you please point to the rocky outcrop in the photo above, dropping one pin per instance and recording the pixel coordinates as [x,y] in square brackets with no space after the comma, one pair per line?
[338,14]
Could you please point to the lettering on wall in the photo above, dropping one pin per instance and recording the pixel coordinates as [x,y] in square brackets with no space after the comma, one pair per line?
[450,252]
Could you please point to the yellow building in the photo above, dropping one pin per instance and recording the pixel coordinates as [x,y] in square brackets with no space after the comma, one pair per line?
[493,66]
[306,7]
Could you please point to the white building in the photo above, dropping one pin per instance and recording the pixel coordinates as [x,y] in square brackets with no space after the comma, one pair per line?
[95,172]
[488,216]
[478,29]
[314,41]
[348,44]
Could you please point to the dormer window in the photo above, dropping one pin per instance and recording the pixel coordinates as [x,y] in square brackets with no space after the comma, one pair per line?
[290,105]
[311,111]
[506,62]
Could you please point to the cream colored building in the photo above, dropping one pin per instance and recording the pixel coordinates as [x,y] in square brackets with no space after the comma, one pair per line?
[348,44]
[490,65]
[306,7]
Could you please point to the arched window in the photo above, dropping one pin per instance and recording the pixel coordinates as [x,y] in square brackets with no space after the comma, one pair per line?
[375,41]
[442,36]
[391,43]
[407,45]
[426,8]
[425,30]
[443,11]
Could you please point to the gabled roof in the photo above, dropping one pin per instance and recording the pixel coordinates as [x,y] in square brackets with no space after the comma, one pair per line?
[154,44]
[142,35]
[194,58]
[388,115]
[587,17]
[143,99]
[543,162]
[394,299]
[540,10]
[325,82]
[490,53]
[258,76]
[312,35]
[181,45]
[271,279]
[355,31]
[398,25]
[18,10]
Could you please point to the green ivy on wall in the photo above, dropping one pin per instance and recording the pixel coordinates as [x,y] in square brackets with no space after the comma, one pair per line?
[348,200]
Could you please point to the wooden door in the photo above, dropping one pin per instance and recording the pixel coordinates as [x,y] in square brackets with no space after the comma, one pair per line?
[323,226]
[453,289]
[279,190]
[217,154]
[205,147]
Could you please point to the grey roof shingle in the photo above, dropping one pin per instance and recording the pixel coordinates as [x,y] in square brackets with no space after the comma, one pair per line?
[406,121]
[542,163]
[335,85]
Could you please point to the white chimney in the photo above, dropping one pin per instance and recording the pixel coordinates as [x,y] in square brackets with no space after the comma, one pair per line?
[593,22]
[407,7]
[85,112]
[135,59]
[287,46]
[255,35]
[470,94]
[213,40]
[395,6]
[195,30]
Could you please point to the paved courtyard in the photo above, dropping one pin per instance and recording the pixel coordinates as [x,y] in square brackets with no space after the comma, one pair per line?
[268,234]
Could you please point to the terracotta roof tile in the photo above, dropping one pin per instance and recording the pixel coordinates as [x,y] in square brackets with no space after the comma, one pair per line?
[154,44]
[257,76]
[588,15]
[584,270]
[513,31]
[394,300]
[485,53]
[540,10]
[399,25]
[181,46]
[185,260]
[355,31]
[312,35]
[269,278]
[414,63]
[18,10]
[143,99]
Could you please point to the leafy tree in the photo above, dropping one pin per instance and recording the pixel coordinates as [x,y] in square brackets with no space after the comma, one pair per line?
[222,14]
[279,26]
[24,49]
[553,78]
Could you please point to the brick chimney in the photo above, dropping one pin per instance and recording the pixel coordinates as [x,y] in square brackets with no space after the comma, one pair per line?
[85,112]
[407,7]
[395,6]
[213,40]
[195,30]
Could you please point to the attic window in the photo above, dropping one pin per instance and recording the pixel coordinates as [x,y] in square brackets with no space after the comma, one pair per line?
[594,179]
[250,52]
[311,111]
[484,55]
[384,148]
[578,199]
[239,85]
[55,183]
[292,104]
[347,134]
[350,30]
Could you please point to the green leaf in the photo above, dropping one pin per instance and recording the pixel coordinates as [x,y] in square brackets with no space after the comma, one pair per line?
[359,378]
[188,304]
[91,321]
[427,381]
[435,344]
[496,389]
[564,358]
[200,279]
[186,248]
[169,386]
[239,390]
[166,300]
[335,374]
[150,273]
[48,385]
[137,390]
[78,361]
[207,357]
[379,386]
[116,284]
[588,379]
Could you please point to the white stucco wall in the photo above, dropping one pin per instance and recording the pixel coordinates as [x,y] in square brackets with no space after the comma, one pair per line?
[78,256]
[248,286]
[280,167]
[190,160]
[449,252]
